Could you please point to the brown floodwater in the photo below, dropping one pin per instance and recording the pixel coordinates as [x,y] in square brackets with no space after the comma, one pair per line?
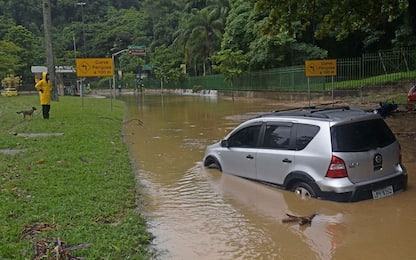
[198,213]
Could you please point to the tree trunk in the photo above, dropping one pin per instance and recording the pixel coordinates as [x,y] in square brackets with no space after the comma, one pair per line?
[47,24]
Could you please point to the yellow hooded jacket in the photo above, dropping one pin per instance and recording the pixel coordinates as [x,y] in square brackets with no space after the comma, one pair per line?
[44,86]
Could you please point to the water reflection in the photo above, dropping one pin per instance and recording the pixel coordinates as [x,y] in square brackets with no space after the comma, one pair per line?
[199,213]
[267,205]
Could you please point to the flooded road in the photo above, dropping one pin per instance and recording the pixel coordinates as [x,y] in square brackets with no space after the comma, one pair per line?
[198,213]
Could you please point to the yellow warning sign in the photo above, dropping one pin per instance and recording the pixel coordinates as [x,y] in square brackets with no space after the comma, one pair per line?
[320,68]
[95,67]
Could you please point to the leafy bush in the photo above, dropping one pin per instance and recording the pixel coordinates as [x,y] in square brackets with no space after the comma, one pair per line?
[197,88]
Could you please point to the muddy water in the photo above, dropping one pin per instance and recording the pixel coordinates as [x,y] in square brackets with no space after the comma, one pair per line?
[196,213]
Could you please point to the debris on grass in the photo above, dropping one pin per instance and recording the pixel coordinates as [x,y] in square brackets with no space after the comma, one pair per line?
[84,159]
[11,151]
[41,161]
[48,248]
[55,249]
[32,230]
[31,135]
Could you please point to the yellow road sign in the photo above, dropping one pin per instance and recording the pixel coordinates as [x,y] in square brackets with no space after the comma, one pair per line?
[95,67]
[320,68]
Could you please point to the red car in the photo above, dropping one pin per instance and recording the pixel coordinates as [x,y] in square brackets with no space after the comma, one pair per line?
[411,98]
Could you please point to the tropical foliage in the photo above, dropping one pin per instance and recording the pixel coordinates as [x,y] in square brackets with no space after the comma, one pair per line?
[266,33]
[229,63]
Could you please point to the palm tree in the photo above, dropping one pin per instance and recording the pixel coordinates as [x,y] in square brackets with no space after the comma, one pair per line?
[201,36]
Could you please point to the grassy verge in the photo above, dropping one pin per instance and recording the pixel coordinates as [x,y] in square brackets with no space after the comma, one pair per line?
[381,80]
[71,190]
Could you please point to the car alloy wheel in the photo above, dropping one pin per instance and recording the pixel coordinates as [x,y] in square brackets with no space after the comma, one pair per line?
[303,190]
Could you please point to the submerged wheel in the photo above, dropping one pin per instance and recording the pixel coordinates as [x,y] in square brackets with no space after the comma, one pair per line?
[304,190]
[212,163]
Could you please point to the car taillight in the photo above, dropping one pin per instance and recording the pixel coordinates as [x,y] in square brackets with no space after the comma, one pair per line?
[336,168]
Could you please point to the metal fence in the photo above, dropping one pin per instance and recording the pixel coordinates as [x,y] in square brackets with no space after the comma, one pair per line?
[369,69]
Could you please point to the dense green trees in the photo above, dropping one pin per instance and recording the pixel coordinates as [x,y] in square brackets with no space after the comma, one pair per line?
[376,24]
[19,50]
[200,35]
[230,63]
[10,61]
[264,33]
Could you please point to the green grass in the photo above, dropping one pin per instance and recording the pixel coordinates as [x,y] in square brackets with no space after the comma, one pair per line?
[81,183]
[380,80]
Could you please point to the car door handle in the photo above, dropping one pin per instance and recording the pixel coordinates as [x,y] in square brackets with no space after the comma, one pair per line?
[286,160]
[249,156]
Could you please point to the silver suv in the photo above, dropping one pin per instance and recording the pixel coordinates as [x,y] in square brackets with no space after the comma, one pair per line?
[332,153]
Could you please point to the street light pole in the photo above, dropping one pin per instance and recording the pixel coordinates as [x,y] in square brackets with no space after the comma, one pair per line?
[114,75]
[114,65]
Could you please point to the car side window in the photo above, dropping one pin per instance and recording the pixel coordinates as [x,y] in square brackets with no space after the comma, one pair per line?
[304,134]
[246,137]
[277,136]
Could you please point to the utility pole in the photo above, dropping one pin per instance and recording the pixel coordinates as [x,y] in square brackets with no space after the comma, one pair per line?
[83,26]
[47,24]
[83,53]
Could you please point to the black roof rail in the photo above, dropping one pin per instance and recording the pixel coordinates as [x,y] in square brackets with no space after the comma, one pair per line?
[331,108]
[315,108]
[310,111]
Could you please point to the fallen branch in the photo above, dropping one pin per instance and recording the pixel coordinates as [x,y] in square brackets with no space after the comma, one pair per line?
[139,122]
[300,220]
[33,229]
[46,248]
[405,133]
[67,249]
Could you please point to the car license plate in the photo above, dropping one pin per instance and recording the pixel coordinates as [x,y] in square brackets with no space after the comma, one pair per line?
[381,193]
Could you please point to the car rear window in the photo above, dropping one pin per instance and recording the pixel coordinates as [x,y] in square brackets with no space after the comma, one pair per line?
[361,136]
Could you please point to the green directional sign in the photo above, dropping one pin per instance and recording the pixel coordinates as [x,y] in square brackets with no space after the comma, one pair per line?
[147,67]
[137,50]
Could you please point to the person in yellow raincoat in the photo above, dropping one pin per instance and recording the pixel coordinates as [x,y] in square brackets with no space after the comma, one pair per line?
[44,86]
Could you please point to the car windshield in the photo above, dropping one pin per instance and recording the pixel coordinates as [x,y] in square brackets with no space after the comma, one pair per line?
[361,136]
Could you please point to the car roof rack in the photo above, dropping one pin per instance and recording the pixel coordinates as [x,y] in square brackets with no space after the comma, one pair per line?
[310,111]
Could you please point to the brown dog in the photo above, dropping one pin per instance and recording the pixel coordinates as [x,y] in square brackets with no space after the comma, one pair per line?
[27,112]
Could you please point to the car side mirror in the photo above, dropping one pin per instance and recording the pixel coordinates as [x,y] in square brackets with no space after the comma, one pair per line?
[224,143]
